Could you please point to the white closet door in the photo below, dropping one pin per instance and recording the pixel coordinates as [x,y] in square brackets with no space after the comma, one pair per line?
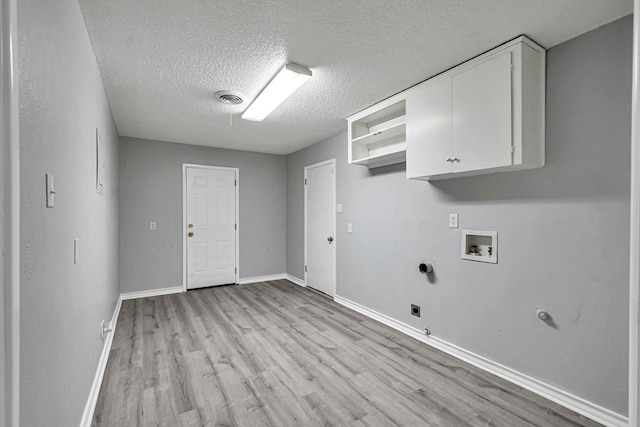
[320,227]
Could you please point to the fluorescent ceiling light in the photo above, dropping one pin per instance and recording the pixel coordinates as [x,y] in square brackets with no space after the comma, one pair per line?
[287,81]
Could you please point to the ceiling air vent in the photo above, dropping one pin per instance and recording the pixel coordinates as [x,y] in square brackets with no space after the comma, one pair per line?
[228,97]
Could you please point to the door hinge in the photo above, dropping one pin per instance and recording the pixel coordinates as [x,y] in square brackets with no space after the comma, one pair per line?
[236,270]
[235,182]
[235,226]
[511,67]
[513,148]
[305,181]
[305,268]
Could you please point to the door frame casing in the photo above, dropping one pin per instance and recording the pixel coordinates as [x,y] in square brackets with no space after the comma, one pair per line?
[10,217]
[634,231]
[331,162]
[185,166]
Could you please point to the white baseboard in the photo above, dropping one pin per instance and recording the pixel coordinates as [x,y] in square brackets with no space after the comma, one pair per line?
[295,280]
[248,280]
[561,397]
[152,293]
[90,407]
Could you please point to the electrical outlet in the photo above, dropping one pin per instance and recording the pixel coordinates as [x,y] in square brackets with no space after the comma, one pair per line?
[153,226]
[339,208]
[415,310]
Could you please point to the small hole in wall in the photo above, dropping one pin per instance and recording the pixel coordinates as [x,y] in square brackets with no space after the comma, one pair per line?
[415,310]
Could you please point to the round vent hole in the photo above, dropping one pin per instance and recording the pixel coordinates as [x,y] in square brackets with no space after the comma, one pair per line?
[227,97]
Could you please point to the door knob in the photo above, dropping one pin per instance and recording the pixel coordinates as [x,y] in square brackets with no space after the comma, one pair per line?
[190,225]
[330,239]
[190,234]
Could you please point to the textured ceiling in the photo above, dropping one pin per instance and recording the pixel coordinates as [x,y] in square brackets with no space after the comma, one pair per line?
[162,60]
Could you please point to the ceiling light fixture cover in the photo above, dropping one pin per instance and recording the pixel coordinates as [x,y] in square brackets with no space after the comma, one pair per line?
[287,81]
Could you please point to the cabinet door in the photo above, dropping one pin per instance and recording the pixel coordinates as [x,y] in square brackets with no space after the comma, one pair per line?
[429,130]
[482,115]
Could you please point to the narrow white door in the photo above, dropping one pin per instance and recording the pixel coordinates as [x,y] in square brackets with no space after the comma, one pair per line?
[482,116]
[210,226]
[320,227]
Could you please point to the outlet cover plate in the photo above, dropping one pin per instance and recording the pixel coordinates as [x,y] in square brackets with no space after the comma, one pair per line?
[453,220]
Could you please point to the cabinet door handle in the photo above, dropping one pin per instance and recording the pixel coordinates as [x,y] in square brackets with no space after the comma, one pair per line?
[449,159]
[455,159]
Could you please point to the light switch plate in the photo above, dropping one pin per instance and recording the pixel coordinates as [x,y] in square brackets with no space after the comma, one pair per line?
[76,251]
[349,228]
[453,220]
[339,207]
[153,226]
[50,190]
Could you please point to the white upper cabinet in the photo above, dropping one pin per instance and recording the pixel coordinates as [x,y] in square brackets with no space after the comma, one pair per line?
[431,111]
[483,116]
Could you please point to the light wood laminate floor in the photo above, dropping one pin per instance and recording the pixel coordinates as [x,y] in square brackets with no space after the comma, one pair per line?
[276,354]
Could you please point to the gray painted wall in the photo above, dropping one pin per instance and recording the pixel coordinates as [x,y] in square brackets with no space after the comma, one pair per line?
[151,190]
[563,234]
[62,102]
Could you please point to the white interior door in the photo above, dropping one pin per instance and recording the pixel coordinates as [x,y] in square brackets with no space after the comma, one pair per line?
[320,245]
[210,226]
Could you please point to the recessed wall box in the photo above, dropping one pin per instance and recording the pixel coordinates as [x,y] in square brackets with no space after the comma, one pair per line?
[480,246]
